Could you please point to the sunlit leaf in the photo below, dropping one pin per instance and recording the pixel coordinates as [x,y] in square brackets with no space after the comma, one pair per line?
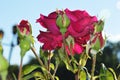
[83,75]
[113,73]
[52,66]
[38,75]
[68,66]
[107,74]
[56,78]
[83,59]
[29,68]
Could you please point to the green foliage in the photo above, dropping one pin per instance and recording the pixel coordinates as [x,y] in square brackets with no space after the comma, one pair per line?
[107,74]
[29,68]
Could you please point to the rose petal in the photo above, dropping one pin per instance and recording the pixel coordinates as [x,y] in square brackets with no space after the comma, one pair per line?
[49,23]
[50,40]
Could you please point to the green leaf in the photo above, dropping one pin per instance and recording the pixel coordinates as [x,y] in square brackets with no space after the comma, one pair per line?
[107,74]
[27,77]
[52,66]
[83,59]
[83,75]
[56,78]
[68,66]
[103,71]
[113,73]
[39,75]
[29,68]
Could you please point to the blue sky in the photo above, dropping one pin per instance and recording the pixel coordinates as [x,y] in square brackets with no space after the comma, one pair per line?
[13,11]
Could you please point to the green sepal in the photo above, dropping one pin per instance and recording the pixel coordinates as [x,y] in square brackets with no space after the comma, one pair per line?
[96,45]
[25,46]
[63,30]
[62,22]
[99,26]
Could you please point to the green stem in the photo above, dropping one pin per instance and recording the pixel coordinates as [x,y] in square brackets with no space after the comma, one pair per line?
[39,60]
[55,70]
[49,60]
[64,47]
[93,66]
[20,69]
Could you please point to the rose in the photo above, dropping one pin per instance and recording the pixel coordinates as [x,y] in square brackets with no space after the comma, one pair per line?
[24,28]
[80,27]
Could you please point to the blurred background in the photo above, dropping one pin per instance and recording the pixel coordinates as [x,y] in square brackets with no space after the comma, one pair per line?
[13,11]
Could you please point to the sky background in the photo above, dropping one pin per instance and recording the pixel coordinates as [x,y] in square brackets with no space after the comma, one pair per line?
[13,11]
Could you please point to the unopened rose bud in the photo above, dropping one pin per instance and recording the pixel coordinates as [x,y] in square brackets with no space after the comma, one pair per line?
[62,22]
[24,28]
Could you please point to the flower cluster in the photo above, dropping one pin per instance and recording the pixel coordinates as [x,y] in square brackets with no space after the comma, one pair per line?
[80,26]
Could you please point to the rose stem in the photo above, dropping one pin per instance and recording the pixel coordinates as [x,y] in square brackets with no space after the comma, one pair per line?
[20,69]
[48,63]
[40,61]
[93,65]
[64,45]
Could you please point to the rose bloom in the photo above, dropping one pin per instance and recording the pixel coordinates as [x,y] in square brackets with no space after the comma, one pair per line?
[80,27]
[24,28]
